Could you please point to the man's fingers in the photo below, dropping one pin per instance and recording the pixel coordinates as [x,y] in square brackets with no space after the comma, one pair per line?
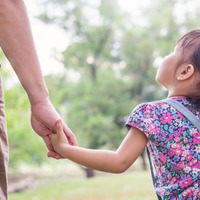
[72,139]
[47,142]
[70,136]
[54,155]
[63,131]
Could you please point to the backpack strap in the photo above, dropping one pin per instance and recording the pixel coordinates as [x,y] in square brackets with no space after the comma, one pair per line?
[187,113]
[152,173]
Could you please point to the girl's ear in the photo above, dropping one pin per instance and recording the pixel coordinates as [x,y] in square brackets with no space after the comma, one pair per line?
[185,72]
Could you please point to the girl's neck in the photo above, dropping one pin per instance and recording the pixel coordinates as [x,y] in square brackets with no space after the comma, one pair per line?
[183,96]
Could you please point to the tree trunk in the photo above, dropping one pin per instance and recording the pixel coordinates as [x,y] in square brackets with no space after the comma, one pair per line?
[89,173]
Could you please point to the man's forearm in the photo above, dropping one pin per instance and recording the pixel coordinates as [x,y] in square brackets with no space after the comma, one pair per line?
[17,43]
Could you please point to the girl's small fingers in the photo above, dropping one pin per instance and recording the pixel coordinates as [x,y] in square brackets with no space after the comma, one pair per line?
[59,127]
[51,136]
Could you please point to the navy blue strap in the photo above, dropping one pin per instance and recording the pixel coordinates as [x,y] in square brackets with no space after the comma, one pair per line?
[152,173]
[187,113]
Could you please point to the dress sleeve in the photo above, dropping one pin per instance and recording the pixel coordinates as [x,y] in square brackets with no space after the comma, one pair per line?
[142,118]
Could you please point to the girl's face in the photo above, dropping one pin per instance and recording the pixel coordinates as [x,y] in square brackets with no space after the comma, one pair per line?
[167,70]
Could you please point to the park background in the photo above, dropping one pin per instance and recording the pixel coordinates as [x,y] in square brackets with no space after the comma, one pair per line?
[99,59]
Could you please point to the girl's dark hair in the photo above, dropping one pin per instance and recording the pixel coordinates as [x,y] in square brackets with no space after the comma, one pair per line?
[189,45]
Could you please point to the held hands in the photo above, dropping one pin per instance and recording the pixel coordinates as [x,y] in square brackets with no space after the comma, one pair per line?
[58,139]
[44,120]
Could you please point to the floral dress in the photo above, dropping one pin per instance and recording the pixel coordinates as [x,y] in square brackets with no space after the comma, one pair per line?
[174,147]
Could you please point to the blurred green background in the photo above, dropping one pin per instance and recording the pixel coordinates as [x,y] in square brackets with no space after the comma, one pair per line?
[106,68]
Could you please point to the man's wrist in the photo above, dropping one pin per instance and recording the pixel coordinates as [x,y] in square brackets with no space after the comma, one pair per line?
[38,96]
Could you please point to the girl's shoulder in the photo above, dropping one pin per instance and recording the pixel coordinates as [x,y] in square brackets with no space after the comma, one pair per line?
[151,106]
[191,104]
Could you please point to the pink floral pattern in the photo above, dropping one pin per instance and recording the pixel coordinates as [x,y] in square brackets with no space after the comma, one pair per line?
[174,145]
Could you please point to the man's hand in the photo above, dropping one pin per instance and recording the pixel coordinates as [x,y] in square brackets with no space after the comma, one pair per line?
[43,120]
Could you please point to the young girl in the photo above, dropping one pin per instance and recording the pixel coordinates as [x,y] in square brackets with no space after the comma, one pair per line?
[172,141]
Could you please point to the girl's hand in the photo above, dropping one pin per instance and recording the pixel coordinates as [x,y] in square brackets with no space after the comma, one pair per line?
[58,139]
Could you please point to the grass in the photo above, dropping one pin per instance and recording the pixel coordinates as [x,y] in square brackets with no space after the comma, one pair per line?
[132,185]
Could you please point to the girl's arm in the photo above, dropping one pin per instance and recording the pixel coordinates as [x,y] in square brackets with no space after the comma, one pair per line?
[102,160]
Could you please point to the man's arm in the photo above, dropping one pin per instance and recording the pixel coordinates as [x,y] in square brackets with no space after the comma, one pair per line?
[17,43]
